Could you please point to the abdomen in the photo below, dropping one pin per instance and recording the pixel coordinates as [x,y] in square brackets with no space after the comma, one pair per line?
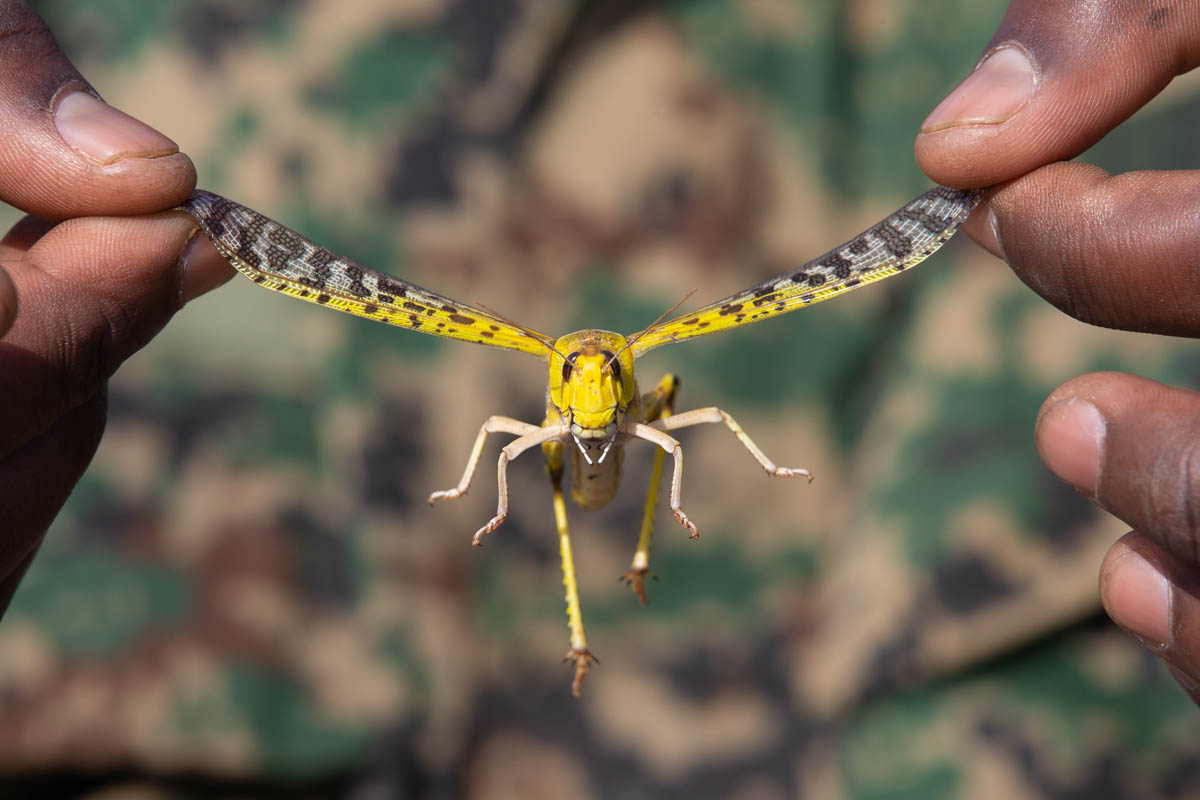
[593,485]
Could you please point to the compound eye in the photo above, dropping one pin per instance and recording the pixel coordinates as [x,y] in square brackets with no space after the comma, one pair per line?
[568,365]
[613,365]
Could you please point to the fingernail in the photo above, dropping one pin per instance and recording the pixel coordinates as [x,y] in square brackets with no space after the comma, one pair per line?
[987,235]
[1070,438]
[995,245]
[202,269]
[1138,598]
[993,93]
[105,134]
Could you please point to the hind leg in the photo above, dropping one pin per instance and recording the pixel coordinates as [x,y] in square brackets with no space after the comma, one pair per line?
[657,404]
[579,653]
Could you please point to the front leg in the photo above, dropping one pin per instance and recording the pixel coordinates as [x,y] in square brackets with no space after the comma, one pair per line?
[493,424]
[670,445]
[511,451]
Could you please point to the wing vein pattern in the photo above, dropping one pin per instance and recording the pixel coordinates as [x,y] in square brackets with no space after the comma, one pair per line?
[280,259]
[902,240]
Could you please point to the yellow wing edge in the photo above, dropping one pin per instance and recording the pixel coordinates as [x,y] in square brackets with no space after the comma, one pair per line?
[899,241]
[277,258]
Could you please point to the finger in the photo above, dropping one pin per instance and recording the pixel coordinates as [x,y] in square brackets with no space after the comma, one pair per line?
[1132,445]
[8,302]
[1054,79]
[9,583]
[36,479]
[13,246]
[1156,599]
[1118,251]
[22,236]
[91,292]
[63,152]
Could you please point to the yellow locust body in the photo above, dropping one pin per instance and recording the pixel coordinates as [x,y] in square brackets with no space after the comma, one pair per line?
[593,406]
[592,392]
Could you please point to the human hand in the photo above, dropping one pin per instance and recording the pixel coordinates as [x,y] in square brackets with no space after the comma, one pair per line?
[76,298]
[1119,251]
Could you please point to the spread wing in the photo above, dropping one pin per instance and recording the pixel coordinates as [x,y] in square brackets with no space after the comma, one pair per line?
[904,239]
[280,259]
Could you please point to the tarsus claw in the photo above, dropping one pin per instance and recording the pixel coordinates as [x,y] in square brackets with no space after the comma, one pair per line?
[635,579]
[687,523]
[493,523]
[792,472]
[581,658]
[446,494]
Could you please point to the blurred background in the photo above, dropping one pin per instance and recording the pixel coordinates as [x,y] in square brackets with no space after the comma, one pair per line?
[247,595]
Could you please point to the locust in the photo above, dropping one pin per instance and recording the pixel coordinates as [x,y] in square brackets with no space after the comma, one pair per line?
[594,406]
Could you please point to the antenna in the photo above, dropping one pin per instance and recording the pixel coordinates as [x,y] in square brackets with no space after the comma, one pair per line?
[629,342]
[532,334]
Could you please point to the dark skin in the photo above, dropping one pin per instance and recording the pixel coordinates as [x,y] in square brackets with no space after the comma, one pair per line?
[1122,251]
[77,298]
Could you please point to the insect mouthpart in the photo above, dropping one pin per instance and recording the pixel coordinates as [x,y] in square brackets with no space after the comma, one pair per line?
[603,445]
[591,440]
[591,434]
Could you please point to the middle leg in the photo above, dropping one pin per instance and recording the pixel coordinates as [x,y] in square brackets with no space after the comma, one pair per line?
[493,424]
[702,416]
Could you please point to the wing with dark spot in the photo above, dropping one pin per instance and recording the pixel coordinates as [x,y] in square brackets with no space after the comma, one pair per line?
[903,240]
[282,260]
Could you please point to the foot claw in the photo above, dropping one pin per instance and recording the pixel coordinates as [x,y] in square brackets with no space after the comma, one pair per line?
[581,657]
[687,523]
[635,579]
[791,472]
[448,494]
[493,523]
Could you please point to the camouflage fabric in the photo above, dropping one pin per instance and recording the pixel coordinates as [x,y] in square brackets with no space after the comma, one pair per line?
[248,596]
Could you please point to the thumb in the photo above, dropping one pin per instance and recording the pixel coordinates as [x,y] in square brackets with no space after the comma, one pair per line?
[63,151]
[1056,77]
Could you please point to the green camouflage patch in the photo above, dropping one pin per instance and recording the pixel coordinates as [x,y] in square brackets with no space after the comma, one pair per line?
[248,595]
